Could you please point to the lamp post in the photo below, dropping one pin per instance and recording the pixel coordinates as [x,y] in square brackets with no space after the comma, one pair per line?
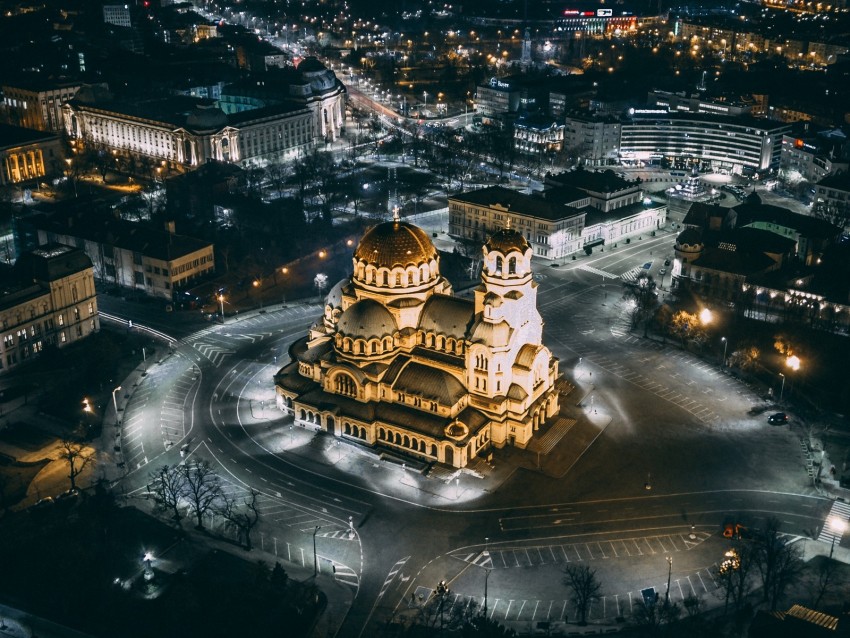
[425,103]
[221,304]
[782,388]
[487,571]
[837,525]
[146,560]
[115,404]
[315,562]
[284,271]
[669,574]
[442,591]
[725,344]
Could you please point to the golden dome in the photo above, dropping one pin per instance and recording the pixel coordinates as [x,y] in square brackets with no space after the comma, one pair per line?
[395,243]
[507,240]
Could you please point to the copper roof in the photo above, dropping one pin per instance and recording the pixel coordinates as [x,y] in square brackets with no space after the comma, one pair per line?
[367,319]
[395,243]
[506,240]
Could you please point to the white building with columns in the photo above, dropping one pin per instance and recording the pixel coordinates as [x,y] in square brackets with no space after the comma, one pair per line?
[400,364]
[185,132]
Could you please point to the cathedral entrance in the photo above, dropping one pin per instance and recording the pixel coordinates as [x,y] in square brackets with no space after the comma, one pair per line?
[450,456]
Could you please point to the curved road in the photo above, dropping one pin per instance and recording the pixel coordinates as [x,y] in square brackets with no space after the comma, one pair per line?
[678,455]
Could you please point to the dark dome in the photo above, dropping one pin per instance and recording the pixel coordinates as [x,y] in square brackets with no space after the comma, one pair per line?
[311,64]
[507,240]
[689,236]
[206,118]
[392,244]
[753,198]
[366,319]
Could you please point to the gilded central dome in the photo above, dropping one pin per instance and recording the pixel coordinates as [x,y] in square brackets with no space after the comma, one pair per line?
[506,240]
[395,243]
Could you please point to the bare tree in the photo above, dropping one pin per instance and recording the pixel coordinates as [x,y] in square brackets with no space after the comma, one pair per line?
[734,575]
[584,588]
[203,488]
[650,616]
[243,519]
[778,563]
[168,487]
[643,297]
[825,580]
[78,456]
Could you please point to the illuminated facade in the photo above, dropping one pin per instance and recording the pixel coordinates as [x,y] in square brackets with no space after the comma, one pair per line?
[189,132]
[49,301]
[734,143]
[27,155]
[399,363]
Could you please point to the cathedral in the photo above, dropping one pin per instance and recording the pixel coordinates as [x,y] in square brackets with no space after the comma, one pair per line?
[399,363]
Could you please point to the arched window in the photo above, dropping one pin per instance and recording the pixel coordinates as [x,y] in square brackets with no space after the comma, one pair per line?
[498,265]
[512,266]
[344,384]
[373,347]
[398,279]
[384,278]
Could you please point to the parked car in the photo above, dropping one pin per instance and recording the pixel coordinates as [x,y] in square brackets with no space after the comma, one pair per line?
[663,271]
[777,418]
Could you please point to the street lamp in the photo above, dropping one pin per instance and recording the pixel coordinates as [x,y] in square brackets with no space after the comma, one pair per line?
[782,388]
[425,103]
[285,272]
[115,403]
[146,560]
[315,563]
[837,526]
[669,574]
[221,303]
[725,345]
[442,591]
[705,316]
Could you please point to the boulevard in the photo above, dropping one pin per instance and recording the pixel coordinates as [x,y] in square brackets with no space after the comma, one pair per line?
[663,452]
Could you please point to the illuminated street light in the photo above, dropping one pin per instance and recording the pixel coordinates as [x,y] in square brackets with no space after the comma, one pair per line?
[705,316]
[793,362]
[221,302]
[725,345]
[782,388]
[837,526]
[115,404]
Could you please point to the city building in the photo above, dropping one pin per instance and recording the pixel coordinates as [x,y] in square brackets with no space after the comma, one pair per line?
[243,127]
[49,299]
[832,198]
[812,155]
[753,253]
[593,139]
[157,263]
[736,144]
[38,104]
[551,227]
[607,190]
[117,14]
[699,102]
[538,135]
[28,155]
[400,364]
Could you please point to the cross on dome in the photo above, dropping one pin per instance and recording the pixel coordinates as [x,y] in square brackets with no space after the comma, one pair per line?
[396,216]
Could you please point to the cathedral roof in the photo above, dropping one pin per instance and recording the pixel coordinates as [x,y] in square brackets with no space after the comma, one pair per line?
[395,243]
[447,315]
[493,334]
[366,319]
[334,298]
[429,383]
[525,356]
[506,240]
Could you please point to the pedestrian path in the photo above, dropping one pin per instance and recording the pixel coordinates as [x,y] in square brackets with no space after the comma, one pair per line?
[631,275]
[836,523]
[546,443]
[596,271]
[563,553]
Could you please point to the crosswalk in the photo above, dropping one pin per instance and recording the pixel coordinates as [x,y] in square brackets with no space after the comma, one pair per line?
[631,275]
[563,553]
[835,524]
[596,271]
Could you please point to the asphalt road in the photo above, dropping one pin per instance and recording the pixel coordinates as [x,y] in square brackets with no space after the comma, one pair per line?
[676,424]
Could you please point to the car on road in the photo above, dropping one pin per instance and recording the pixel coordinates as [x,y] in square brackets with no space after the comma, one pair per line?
[666,262]
[777,418]
[734,530]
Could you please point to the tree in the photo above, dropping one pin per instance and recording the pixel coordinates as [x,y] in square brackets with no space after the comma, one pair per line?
[243,519]
[745,358]
[686,326]
[651,616]
[74,451]
[168,487]
[584,588]
[643,297]
[203,488]
[734,574]
[778,563]
[825,580]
